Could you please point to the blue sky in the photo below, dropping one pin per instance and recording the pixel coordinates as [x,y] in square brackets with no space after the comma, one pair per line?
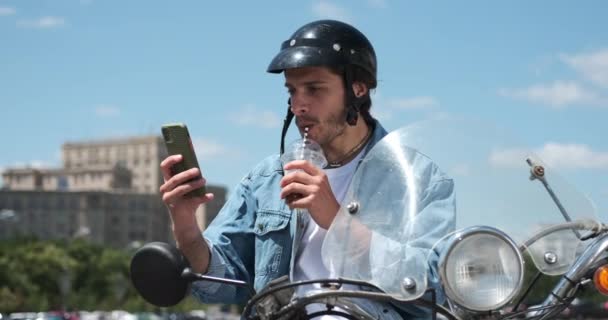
[92,69]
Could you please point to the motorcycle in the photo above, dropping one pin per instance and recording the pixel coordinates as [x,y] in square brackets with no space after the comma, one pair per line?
[516,219]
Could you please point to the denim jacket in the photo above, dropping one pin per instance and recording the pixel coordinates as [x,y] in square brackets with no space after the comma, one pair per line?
[255,236]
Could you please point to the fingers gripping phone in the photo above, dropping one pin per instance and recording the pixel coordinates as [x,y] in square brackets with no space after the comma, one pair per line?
[178,141]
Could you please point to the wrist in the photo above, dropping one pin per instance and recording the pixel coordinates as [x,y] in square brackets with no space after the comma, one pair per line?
[186,235]
[332,211]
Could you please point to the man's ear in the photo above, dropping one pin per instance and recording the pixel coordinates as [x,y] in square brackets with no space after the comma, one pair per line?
[360,89]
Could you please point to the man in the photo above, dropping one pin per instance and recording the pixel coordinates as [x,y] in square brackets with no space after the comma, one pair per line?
[329,69]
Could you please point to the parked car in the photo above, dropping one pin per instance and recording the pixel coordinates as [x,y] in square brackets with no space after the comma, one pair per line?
[23,316]
[196,315]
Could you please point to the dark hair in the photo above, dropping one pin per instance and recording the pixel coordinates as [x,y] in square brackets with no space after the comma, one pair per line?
[359,75]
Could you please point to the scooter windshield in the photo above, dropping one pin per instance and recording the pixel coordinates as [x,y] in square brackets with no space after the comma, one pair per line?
[422,183]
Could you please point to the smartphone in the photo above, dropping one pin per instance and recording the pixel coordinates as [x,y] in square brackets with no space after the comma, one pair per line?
[178,141]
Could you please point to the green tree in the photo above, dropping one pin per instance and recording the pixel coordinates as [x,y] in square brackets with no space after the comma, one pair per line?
[31,273]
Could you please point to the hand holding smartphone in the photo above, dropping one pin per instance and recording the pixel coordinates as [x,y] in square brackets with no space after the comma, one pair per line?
[177,141]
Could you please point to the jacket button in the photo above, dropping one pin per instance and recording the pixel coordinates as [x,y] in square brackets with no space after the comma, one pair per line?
[260,227]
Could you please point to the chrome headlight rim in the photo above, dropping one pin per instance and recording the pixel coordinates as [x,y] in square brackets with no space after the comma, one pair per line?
[463,234]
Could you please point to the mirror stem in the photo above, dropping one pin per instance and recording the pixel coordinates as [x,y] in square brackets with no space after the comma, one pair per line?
[187,274]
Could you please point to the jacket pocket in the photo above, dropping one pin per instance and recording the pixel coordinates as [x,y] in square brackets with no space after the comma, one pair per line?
[269,221]
[272,242]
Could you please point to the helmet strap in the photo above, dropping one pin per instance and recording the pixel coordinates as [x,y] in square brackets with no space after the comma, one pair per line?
[286,123]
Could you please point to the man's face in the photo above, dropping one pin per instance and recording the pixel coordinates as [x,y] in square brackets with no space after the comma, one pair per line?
[317,101]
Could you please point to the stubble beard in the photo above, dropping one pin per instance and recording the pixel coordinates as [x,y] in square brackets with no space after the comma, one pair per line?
[335,127]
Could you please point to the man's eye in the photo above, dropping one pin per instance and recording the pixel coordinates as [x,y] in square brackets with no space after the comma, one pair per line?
[313,89]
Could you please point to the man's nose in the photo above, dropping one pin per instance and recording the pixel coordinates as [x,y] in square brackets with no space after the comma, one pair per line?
[299,106]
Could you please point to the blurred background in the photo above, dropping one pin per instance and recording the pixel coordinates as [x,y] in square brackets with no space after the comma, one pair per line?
[85,86]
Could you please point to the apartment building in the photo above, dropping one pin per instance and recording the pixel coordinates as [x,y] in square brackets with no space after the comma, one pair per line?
[106,191]
[140,155]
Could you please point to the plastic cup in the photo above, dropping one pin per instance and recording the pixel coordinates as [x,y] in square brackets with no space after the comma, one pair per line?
[305,149]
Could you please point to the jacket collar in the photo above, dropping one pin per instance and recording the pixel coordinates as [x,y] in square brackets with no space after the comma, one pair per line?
[378,133]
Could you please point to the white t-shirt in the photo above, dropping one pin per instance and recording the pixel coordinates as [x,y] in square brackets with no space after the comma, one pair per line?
[308,263]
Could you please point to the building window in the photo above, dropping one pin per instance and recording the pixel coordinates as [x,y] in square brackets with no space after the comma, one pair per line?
[74,203]
[60,202]
[132,236]
[34,202]
[44,203]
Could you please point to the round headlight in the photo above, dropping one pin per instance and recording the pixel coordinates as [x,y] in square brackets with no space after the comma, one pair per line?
[482,270]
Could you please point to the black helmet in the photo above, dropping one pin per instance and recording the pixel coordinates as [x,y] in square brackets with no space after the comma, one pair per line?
[325,43]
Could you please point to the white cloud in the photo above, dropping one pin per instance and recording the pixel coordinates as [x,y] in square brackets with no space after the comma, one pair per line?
[385,109]
[107,111]
[414,103]
[39,164]
[7,11]
[42,23]
[380,4]
[327,10]
[593,66]
[573,156]
[559,94]
[254,117]
[209,149]
[36,164]
[566,156]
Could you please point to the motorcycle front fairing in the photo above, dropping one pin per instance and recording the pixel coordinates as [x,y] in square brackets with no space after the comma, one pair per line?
[399,205]
[399,214]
